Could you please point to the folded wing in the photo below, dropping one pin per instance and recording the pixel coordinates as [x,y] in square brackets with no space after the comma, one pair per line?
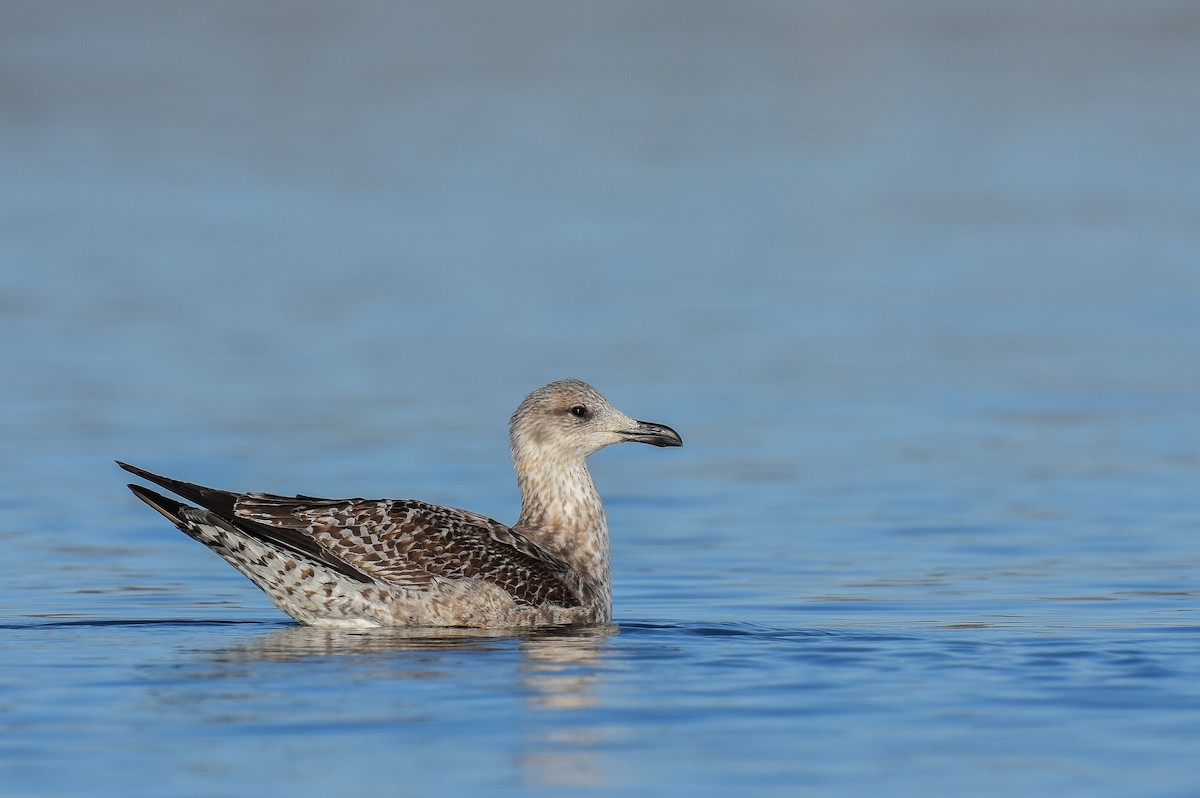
[410,543]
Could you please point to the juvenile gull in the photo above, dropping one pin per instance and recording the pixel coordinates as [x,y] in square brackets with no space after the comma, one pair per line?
[402,562]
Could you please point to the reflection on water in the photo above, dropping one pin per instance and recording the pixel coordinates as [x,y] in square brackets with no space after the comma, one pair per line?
[564,674]
[542,647]
[557,670]
[576,708]
[558,665]
[562,671]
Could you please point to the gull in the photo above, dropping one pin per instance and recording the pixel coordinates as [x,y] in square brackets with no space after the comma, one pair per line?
[359,563]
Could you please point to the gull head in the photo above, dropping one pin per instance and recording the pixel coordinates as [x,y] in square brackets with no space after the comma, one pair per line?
[569,420]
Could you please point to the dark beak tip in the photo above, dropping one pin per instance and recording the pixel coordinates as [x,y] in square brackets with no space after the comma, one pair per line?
[655,434]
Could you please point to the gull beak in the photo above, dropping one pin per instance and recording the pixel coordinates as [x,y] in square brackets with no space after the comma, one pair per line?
[654,434]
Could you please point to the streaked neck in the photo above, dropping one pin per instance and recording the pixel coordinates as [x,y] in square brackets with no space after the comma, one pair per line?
[561,510]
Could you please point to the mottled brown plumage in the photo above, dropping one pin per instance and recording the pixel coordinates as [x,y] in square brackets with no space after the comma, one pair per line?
[409,544]
[389,562]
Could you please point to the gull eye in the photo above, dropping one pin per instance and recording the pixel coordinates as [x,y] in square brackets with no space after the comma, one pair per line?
[579,411]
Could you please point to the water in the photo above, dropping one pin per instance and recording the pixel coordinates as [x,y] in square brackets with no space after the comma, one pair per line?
[917,283]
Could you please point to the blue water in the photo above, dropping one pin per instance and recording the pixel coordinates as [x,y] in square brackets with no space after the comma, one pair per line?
[918,283]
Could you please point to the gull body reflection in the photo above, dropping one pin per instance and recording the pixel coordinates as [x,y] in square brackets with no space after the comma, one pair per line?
[525,697]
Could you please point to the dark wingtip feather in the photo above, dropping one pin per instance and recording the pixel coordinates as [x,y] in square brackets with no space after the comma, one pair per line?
[168,507]
[132,469]
[219,501]
[221,504]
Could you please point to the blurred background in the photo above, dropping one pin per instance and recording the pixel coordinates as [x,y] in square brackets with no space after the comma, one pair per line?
[328,247]
[229,216]
[919,283]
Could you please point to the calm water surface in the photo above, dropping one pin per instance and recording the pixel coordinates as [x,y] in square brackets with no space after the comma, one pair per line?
[918,285]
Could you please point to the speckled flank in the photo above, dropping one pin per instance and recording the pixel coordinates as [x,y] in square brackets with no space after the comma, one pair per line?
[388,562]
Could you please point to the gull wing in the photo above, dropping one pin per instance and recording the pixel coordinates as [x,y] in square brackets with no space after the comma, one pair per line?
[409,543]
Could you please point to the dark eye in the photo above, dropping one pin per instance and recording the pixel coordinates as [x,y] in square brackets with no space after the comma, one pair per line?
[579,411]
